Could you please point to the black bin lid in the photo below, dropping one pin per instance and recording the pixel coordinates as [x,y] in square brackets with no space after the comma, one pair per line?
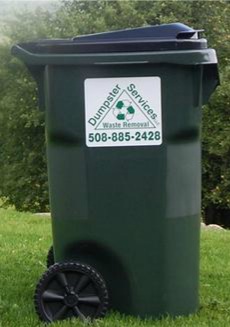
[165,37]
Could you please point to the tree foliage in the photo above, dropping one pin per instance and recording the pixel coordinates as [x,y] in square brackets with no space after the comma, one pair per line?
[23,181]
[23,178]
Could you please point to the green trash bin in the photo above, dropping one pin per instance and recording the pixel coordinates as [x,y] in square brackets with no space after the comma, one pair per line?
[123,121]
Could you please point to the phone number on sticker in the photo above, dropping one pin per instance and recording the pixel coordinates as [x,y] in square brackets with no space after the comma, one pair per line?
[124,136]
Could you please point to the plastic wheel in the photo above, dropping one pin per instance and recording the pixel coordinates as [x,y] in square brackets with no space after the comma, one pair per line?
[50,257]
[69,290]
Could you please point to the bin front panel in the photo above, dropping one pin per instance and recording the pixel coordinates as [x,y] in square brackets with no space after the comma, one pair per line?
[126,204]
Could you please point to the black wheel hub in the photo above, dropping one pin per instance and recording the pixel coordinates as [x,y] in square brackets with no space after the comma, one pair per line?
[71,299]
[71,290]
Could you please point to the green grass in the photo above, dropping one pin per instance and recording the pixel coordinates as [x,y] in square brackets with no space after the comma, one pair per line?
[25,239]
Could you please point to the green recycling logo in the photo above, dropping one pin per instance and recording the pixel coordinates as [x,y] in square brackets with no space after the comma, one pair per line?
[124,110]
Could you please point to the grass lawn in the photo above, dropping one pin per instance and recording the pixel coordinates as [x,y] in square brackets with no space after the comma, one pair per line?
[24,242]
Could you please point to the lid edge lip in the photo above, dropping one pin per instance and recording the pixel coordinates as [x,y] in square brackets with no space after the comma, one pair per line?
[109,41]
[119,47]
[69,43]
[186,57]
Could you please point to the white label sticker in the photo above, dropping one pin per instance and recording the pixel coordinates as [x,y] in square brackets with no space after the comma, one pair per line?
[123,111]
